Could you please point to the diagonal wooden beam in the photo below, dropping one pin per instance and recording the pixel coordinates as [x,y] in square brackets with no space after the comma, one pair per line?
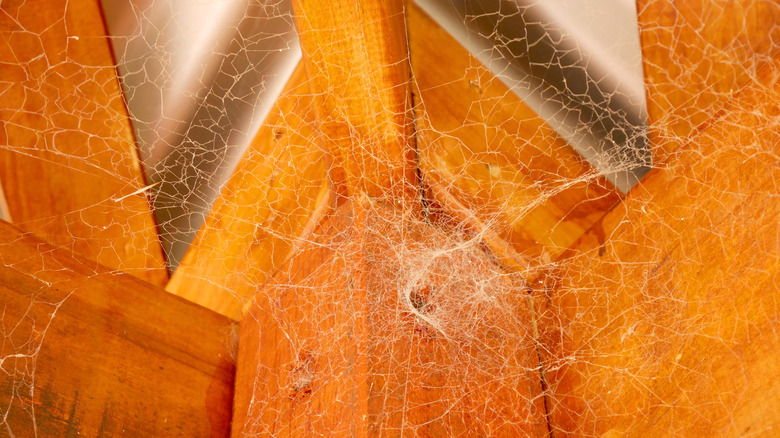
[670,300]
[483,150]
[363,332]
[276,194]
[68,162]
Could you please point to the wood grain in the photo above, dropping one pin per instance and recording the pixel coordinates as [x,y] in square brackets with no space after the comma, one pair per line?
[663,320]
[262,211]
[364,334]
[481,145]
[347,339]
[91,352]
[696,55]
[68,161]
[356,58]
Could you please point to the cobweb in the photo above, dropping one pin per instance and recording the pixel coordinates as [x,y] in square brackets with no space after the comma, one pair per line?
[586,242]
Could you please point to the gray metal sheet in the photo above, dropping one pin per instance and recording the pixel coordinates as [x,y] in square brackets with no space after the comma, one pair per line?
[199,77]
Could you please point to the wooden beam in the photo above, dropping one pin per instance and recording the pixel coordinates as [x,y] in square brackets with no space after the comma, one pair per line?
[483,148]
[364,333]
[68,161]
[696,55]
[91,352]
[356,58]
[276,190]
[351,337]
[662,321]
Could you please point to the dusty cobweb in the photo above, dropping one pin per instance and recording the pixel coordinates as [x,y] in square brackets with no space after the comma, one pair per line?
[564,153]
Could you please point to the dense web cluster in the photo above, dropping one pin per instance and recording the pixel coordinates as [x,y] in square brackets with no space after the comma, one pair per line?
[439,218]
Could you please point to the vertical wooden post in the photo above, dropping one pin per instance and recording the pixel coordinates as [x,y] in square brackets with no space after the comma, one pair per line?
[356,56]
[363,332]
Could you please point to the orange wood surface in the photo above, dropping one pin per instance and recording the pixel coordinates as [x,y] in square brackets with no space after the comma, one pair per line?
[663,319]
[68,161]
[696,54]
[356,58]
[658,317]
[87,351]
[262,211]
[482,146]
[456,218]
[363,333]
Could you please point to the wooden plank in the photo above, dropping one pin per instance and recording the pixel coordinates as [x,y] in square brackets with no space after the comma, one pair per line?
[264,208]
[480,145]
[663,320]
[356,58]
[91,352]
[68,162]
[696,54]
[366,333]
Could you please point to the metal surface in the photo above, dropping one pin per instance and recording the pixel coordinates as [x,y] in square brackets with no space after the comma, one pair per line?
[199,77]
[576,63]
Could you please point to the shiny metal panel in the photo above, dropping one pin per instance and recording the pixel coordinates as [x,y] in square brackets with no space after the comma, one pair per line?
[199,78]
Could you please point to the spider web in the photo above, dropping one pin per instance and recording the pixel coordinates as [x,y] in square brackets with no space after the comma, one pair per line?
[586,242]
